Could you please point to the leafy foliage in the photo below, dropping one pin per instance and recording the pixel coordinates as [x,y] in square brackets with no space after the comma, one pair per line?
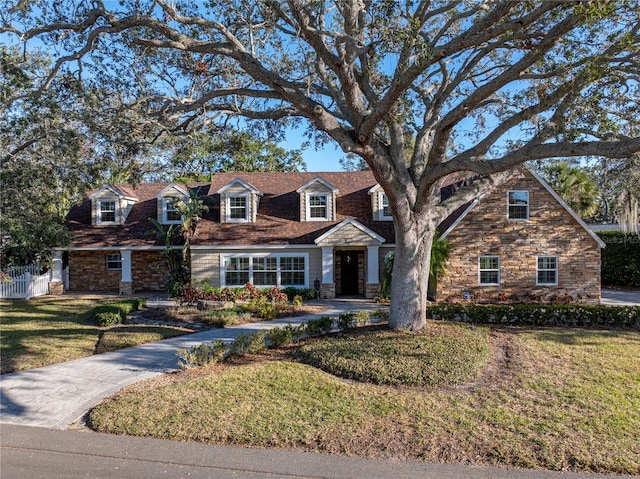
[575,186]
[620,258]
[540,315]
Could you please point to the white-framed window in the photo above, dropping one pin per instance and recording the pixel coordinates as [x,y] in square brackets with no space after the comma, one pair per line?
[114,262]
[385,209]
[547,271]
[237,208]
[265,270]
[518,205]
[317,207]
[107,211]
[169,213]
[489,270]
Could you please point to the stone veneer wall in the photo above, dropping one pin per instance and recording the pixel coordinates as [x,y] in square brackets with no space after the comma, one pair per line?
[550,231]
[88,271]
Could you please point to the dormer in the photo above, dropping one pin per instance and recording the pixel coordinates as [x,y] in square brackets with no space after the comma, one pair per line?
[166,199]
[238,202]
[380,204]
[110,205]
[317,200]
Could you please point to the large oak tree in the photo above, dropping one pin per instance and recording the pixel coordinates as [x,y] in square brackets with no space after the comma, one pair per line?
[478,87]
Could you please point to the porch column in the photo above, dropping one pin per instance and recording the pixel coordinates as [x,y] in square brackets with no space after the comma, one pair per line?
[126,281]
[56,276]
[327,288]
[373,275]
[56,285]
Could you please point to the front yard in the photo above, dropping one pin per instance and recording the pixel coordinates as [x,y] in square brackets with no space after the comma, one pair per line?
[51,330]
[547,398]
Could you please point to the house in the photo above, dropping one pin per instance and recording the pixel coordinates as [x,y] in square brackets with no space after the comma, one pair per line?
[519,242]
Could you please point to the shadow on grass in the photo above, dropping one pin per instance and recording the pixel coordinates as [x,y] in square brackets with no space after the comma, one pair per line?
[583,337]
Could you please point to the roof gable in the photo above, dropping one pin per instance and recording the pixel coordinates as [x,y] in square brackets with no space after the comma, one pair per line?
[319,180]
[242,183]
[172,187]
[353,229]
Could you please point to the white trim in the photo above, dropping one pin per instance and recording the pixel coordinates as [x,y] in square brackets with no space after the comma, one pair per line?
[459,218]
[173,186]
[254,247]
[99,210]
[242,183]
[326,206]
[381,215]
[517,205]
[575,216]
[113,190]
[227,212]
[165,210]
[480,270]
[278,256]
[317,179]
[557,269]
[350,221]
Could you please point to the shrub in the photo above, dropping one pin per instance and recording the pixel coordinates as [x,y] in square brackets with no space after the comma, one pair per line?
[116,312]
[263,308]
[248,344]
[347,320]
[621,258]
[202,354]
[318,327]
[566,315]
[306,294]
[297,300]
[221,318]
[278,337]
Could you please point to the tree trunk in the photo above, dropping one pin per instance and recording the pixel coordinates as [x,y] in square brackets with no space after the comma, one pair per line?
[410,277]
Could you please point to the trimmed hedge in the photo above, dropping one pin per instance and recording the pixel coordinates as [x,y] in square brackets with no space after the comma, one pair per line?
[567,315]
[620,258]
[116,312]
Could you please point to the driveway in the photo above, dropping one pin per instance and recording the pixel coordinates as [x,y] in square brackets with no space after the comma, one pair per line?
[55,396]
[614,297]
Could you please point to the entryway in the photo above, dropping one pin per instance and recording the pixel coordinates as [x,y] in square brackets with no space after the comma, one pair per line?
[350,266]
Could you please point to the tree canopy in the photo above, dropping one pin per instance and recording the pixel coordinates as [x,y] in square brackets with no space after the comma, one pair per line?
[479,87]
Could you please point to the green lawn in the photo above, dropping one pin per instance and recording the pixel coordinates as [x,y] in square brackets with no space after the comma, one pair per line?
[549,398]
[51,330]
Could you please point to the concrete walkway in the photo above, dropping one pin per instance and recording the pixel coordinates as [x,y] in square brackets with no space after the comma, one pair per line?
[55,396]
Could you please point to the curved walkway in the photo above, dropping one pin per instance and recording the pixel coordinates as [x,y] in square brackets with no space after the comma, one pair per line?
[55,396]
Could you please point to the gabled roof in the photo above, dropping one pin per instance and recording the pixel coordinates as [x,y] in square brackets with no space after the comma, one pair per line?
[346,223]
[563,203]
[120,191]
[173,186]
[317,179]
[241,182]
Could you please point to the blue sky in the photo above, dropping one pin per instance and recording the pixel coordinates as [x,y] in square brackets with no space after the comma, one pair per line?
[325,159]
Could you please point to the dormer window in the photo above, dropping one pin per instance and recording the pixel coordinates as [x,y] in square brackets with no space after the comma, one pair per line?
[107,211]
[170,215]
[317,200]
[237,208]
[385,209]
[317,208]
[239,202]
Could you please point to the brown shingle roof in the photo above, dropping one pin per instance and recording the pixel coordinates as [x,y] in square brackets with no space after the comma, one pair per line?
[277,221]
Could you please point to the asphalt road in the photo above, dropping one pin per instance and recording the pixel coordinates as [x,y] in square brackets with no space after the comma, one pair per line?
[34,453]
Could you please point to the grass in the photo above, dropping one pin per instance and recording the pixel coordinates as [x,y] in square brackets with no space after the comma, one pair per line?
[119,337]
[51,330]
[444,354]
[553,399]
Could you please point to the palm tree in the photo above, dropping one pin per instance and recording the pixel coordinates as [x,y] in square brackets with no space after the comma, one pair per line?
[574,185]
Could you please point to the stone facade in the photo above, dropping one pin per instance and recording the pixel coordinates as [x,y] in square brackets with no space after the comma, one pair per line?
[550,230]
[88,272]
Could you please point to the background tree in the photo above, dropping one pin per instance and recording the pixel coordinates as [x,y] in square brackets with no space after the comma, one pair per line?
[575,185]
[619,184]
[481,87]
[200,155]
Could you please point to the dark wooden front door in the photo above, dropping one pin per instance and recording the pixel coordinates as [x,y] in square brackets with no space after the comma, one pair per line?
[349,272]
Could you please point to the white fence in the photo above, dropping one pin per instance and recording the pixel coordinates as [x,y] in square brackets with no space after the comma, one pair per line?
[25,282]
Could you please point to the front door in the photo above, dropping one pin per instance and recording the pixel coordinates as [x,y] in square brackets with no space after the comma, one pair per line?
[349,272]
